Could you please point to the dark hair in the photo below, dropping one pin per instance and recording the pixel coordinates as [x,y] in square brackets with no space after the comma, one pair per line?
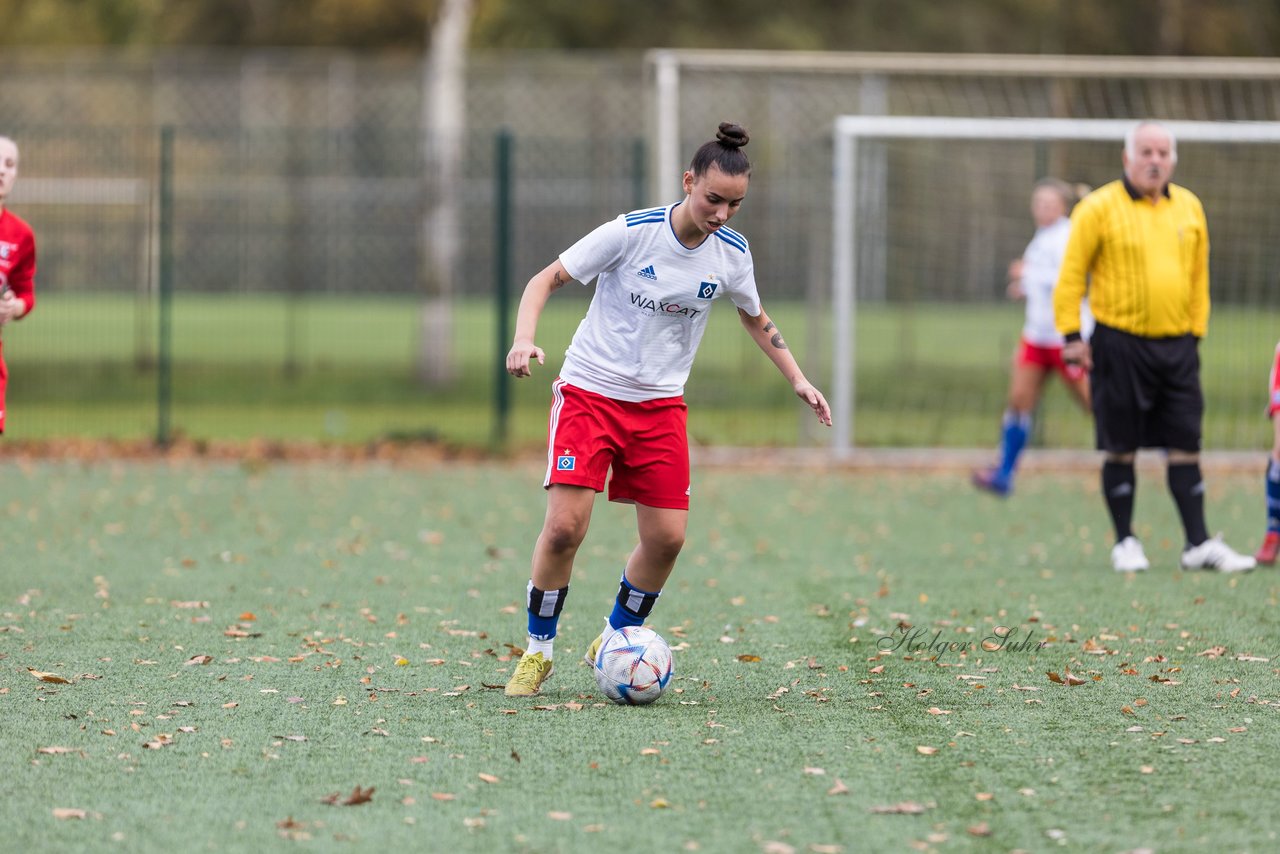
[725,152]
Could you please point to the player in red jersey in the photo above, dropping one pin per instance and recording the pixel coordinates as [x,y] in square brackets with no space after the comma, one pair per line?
[1270,548]
[17,259]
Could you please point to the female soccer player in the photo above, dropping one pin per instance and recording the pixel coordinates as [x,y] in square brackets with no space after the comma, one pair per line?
[17,258]
[1040,352]
[1267,552]
[618,401]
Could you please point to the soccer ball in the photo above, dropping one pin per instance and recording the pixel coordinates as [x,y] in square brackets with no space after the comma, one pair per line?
[633,666]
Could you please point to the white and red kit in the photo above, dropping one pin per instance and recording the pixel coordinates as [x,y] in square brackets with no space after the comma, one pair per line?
[633,351]
[18,274]
[1273,383]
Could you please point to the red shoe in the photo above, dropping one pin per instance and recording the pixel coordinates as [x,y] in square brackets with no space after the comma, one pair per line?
[1269,549]
[988,480]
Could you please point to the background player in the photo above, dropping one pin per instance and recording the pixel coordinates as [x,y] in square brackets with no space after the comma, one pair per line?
[17,260]
[1267,552]
[1032,277]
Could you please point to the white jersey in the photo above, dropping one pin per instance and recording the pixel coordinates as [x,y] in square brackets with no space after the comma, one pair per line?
[653,295]
[1040,264]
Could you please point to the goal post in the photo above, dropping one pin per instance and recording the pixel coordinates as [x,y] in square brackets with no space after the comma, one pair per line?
[852,132]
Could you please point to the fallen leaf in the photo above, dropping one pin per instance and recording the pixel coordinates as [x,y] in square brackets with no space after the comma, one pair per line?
[979,829]
[53,750]
[839,788]
[659,804]
[816,772]
[65,813]
[198,659]
[48,677]
[749,658]
[903,808]
[443,796]
[357,796]
[560,816]
[489,778]
[926,750]
[936,711]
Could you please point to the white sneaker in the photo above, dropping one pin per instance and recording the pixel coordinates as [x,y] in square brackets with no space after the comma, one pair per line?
[1128,556]
[1216,555]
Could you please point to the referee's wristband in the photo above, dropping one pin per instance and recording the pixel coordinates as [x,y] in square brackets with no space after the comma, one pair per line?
[1071,336]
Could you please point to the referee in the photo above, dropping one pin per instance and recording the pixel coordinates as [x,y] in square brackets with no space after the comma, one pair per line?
[1140,246]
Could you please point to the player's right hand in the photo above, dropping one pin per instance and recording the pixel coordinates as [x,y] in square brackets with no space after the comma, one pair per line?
[1078,353]
[521,353]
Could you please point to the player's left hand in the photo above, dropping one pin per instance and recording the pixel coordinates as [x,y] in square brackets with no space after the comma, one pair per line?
[10,307]
[810,395]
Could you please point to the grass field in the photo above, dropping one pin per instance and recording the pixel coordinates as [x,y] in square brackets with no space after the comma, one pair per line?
[344,371]
[243,642]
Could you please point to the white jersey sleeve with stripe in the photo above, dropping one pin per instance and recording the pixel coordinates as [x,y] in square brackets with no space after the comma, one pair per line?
[653,295]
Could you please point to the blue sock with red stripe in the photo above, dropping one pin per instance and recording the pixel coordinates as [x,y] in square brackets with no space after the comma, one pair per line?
[1273,496]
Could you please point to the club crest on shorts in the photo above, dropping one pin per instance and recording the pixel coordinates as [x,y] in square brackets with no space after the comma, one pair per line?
[565,462]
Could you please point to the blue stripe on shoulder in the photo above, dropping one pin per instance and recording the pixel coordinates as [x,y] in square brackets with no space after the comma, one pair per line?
[737,241]
[643,220]
[648,212]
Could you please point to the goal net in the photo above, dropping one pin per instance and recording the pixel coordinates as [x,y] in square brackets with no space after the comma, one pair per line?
[927,214]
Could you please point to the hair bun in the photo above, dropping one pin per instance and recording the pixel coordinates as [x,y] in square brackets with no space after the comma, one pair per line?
[732,135]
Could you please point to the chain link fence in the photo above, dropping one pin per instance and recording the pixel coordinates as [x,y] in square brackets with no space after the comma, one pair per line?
[304,306]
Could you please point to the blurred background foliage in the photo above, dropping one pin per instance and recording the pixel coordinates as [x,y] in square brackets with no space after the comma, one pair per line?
[1131,27]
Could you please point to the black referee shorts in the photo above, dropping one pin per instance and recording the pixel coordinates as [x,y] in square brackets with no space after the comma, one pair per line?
[1146,391]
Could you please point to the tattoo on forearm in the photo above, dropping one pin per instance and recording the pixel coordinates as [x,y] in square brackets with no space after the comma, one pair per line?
[776,340]
[557,281]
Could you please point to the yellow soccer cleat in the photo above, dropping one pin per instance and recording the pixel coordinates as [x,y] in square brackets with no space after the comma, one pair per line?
[594,649]
[530,673]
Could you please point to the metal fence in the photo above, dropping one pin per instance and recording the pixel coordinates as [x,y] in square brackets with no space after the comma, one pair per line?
[303,306]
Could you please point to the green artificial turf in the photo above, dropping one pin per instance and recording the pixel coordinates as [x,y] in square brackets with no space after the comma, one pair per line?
[357,623]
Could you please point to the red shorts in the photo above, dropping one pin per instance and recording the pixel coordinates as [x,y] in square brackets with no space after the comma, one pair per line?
[4,381]
[646,445]
[1273,403]
[1048,357]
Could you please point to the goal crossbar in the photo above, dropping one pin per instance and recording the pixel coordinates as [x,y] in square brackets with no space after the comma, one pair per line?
[850,130]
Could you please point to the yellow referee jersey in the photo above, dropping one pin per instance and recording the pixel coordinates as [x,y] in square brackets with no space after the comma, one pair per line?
[1145,265]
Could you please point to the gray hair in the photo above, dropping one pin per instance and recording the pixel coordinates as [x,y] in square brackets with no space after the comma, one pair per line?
[1131,139]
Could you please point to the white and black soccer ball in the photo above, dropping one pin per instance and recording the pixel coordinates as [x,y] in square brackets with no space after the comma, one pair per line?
[634,666]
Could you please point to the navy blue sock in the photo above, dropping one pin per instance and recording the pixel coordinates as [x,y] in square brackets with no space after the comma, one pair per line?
[632,605]
[1187,487]
[1013,438]
[1273,496]
[544,610]
[1118,487]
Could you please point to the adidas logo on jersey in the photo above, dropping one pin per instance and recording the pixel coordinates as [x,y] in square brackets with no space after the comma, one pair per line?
[647,273]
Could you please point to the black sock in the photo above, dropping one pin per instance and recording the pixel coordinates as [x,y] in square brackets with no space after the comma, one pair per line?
[1187,488]
[1118,486]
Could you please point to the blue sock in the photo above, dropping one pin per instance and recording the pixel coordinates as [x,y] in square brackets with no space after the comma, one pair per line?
[1273,496]
[1013,438]
[632,605]
[544,608]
